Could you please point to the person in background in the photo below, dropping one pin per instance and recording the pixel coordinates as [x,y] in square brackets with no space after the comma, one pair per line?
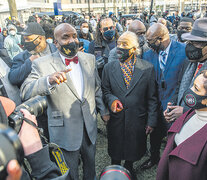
[152,18]
[185,26]
[185,155]
[4,33]
[104,41]
[128,22]
[166,23]
[19,27]
[12,42]
[36,46]
[118,25]
[92,21]
[84,33]
[49,31]
[176,20]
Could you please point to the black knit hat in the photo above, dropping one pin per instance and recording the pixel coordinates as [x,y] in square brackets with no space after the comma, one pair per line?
[33,28]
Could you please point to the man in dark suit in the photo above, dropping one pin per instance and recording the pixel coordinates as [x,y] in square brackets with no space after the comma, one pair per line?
[196,50]
[168,58]
[36,46]
[129,89]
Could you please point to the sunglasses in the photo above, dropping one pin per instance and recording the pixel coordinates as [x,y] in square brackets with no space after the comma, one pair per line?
[108,28]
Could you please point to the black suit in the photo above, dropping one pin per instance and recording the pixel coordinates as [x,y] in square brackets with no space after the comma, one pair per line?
[126,129]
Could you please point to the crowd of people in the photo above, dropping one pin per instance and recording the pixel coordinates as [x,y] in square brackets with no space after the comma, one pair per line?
[145,76]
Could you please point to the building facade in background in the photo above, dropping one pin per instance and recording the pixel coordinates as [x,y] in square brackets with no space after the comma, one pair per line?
[27,7]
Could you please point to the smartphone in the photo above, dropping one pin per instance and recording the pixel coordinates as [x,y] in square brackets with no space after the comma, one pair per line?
[169,109]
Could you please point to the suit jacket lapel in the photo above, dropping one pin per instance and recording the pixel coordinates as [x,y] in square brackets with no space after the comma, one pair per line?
[136,74]
[192,147]
[58,65]
[118,76]
[171,55]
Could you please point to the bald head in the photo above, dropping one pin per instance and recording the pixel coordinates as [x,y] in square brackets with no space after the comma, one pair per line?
[157,30]
[66,34]
[162,21]
[137,26]
[107,22]
[62,28]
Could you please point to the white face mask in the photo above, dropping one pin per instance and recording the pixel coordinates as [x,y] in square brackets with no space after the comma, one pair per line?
[49,40]
[87,20]
[85,30]
[12,32]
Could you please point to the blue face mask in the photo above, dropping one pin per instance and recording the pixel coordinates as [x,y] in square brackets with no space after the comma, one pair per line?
[109,35]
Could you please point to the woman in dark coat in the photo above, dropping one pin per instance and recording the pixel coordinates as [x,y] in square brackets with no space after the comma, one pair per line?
[185,155]
[132,104]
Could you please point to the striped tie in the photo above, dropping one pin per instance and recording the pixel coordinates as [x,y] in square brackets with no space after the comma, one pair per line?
[162,60]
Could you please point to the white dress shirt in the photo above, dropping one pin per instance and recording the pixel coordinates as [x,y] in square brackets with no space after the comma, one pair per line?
[75,75]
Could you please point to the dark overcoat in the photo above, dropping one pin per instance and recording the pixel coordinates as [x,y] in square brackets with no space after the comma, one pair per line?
[187,161]
[126,129]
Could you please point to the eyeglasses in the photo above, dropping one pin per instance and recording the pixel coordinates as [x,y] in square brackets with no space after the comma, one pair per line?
[108,28]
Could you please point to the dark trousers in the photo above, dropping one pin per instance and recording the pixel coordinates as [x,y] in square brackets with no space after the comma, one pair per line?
[87,153]
[127,164]
[156,139]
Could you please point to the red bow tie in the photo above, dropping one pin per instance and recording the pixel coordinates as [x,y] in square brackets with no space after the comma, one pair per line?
[68,61]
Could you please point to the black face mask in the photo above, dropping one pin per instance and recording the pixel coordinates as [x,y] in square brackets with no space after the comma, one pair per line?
[123,54]
[180,33]
[70,49]
[30,46]
[194,101]
[155,47]
[142,40]
[193,53]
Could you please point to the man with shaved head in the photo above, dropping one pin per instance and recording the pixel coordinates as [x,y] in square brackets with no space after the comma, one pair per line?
[70,81]
[168,58]
[129,89]
[166,23]
[139,29]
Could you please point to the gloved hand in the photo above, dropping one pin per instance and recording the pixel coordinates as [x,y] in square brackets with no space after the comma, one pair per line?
[116,106]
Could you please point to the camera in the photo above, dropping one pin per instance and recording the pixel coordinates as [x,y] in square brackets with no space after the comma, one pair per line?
[35,106]
[11,148]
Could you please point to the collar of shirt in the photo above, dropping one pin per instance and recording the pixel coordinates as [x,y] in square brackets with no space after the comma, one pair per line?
[63,58]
